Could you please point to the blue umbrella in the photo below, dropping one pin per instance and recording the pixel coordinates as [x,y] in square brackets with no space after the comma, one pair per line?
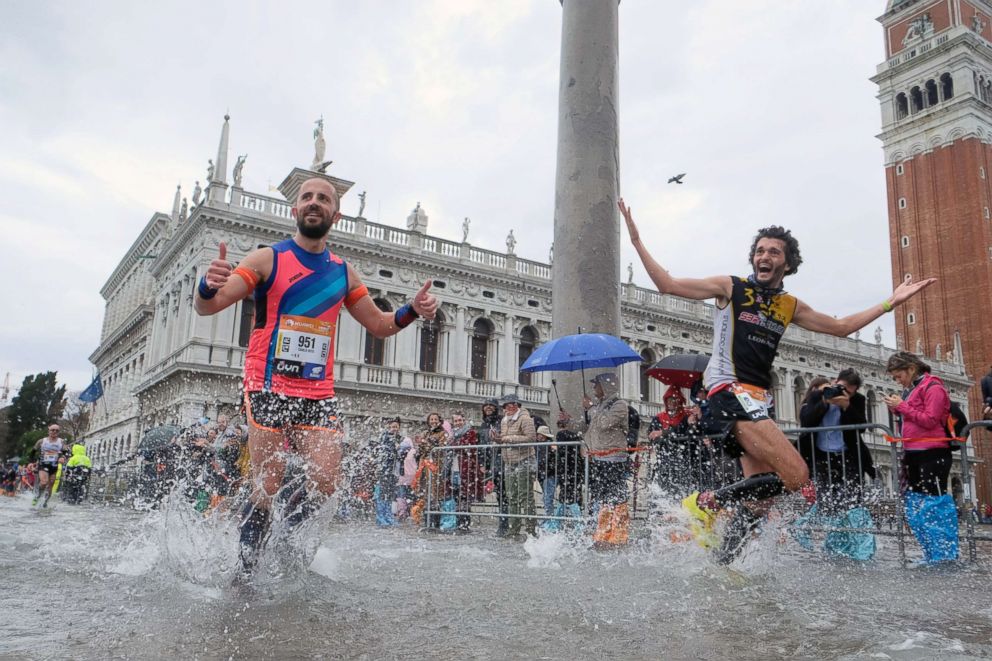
[578,352]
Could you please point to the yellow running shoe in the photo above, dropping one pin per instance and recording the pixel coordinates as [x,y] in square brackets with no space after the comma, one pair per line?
[701,523]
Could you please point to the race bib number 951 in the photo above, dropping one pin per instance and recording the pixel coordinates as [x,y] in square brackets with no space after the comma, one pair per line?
[302,347]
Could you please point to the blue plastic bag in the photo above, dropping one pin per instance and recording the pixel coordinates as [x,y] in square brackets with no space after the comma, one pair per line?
[854,545]
[934,522]
[448,521]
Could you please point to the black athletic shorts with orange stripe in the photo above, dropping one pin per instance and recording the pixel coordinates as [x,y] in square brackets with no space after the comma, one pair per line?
[278,413]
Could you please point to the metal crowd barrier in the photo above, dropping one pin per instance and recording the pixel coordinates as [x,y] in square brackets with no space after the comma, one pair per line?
[677,465]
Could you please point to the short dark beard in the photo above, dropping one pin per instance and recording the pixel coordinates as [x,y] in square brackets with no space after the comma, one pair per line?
[313,231]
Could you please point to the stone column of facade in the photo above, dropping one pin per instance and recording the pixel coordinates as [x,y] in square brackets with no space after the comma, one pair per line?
[459,361]
[585,281]
[349,339]
[508,355]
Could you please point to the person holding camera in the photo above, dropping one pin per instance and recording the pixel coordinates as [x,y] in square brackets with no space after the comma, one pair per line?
[838,461]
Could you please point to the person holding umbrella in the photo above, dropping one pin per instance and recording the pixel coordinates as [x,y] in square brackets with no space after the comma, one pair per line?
[605,427]
[750,319]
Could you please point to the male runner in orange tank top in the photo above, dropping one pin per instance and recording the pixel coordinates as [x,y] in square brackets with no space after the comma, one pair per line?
[299,288]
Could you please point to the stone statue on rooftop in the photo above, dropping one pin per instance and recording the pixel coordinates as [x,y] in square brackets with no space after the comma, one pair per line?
[239,167]
[878,335]
[210,170]
[361,204]
[465,225]
[196,193]
[183,210]
[630,273]
[511,243]
[318,143]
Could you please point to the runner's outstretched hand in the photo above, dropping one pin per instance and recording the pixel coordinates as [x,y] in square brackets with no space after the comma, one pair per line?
[425,303]
[628,216]
[219,270]
[908,289]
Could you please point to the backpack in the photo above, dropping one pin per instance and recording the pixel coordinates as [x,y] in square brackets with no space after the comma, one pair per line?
[956,421]
[633,426]
[954,424]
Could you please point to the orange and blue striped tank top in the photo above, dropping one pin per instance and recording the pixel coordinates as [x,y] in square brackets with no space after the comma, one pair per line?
[291,348]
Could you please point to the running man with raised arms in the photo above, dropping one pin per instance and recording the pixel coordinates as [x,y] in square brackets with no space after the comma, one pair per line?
[750,319]
[299,287]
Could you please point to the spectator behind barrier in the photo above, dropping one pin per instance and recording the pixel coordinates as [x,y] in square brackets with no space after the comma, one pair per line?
[606,425]
[493,460]
[837,460]
[923,410]
[679,457]
[519,465]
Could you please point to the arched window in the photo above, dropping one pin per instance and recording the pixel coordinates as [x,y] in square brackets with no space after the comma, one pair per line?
[430,341]
[647,360]
[798,391]
[902,105]
[916,99]
[932,97]
[870,397]
[375,347]
[482,330]
[528,341]
[946,86]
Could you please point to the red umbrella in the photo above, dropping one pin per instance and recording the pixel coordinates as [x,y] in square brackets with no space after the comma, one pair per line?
[682,370]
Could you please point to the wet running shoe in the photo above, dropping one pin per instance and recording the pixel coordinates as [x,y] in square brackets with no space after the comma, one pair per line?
[701,525]
[737,534]
[34,501]
[253,532]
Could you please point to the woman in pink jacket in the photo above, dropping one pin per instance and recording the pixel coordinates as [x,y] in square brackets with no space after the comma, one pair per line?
[923,409]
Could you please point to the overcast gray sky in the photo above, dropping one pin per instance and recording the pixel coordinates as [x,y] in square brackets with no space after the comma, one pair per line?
[106,106]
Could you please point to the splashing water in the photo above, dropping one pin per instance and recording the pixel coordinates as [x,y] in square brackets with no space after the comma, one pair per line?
[155,584]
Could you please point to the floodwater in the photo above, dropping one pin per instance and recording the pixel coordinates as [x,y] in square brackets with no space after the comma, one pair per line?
[103,582]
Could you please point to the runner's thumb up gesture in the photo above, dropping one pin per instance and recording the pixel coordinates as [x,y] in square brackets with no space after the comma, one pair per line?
[219,270]
[425,303]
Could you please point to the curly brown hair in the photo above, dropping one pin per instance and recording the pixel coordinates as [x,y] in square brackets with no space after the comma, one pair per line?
[792,256]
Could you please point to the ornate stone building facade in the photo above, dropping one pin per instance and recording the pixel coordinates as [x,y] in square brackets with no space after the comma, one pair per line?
[935,89]
[162,363]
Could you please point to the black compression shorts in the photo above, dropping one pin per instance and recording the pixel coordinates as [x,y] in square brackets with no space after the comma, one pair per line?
[275,412]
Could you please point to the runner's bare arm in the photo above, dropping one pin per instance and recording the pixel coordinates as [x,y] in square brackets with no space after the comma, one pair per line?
[383,324]
[719,287]
[808,318]
[253,269]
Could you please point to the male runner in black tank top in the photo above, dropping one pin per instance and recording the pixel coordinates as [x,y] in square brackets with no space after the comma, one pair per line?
[751,317]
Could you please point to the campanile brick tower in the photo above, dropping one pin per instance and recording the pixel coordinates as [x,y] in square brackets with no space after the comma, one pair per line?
[935,88]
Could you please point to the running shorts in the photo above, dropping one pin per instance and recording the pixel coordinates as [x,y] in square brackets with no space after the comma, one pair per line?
[51,469]
[276,412]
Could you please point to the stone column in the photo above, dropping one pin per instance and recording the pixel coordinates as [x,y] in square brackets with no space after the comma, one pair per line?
[509,355]
[349,339]
[459,365]
[586,274]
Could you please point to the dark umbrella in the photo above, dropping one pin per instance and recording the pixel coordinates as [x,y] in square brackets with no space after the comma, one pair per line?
[157,439]
[681,370]
[578,352]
